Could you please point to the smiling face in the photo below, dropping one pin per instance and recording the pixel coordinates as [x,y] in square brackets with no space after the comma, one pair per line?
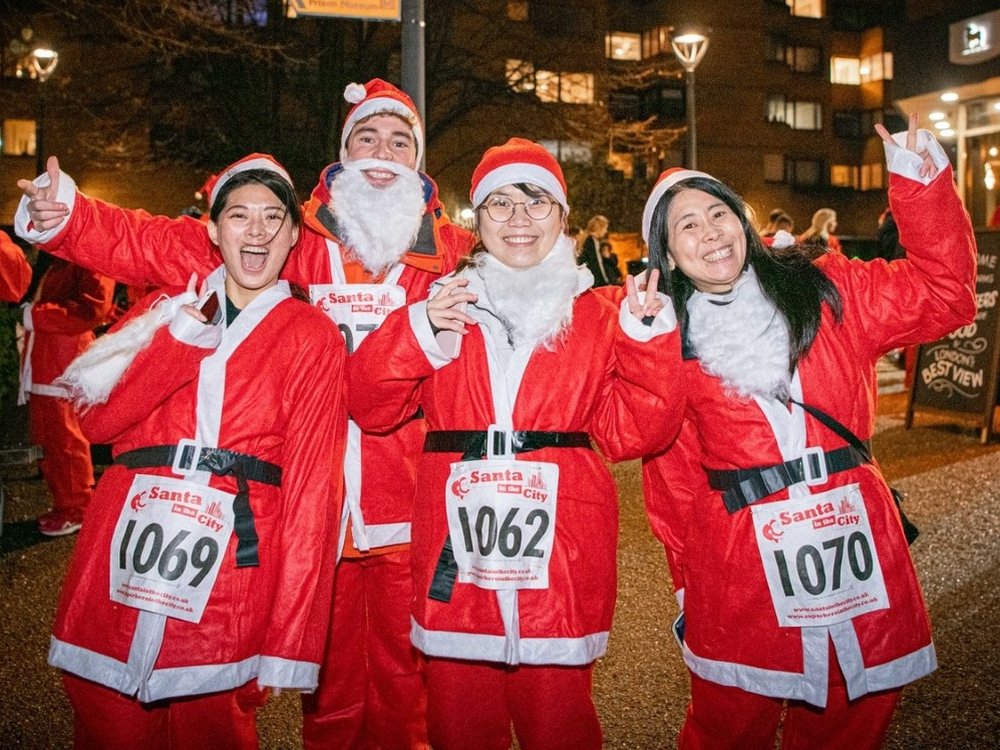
[255,234]
[706,240]
[520,241]
[387,137]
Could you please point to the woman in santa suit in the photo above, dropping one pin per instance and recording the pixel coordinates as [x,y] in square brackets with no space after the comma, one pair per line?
[204,571]
[786,550]
[518,365]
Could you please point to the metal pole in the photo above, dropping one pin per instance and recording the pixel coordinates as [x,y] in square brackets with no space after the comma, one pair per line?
[40,130]
[692,141]
[413,56]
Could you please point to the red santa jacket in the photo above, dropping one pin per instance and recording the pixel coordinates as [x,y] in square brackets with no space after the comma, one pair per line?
[69,304]
[137,248]
[271,390]
[732,635]
[15,273]
[597,380]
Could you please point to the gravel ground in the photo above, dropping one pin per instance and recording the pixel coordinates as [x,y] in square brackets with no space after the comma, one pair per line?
[952,483]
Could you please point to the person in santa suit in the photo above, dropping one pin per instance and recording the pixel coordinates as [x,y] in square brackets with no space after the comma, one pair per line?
[786,548]
[518,365]
[15,272]
[374,237]
[204,571]
[69,302]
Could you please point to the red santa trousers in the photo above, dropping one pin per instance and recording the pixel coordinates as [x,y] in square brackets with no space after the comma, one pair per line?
[371,691]
[65,463]
[104,719]
[721,717]
[472,704]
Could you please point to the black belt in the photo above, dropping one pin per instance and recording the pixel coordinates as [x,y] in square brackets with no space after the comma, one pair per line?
[743,487]
[472,444]
[220,462]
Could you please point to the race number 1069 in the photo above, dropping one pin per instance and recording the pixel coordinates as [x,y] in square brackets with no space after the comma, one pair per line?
[146,551]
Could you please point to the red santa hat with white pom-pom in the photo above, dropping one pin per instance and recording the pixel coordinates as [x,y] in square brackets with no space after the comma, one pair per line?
[379,97]
[667,180]
[518,160]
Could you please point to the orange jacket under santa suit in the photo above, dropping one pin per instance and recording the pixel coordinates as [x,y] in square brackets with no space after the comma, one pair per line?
[271,390]
[137,248]
[732,636]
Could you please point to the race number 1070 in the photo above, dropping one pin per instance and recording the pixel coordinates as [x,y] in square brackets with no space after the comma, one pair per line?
[815,572]
[170,561]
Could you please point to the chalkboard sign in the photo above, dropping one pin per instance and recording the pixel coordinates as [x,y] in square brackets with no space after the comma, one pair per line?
[959,372]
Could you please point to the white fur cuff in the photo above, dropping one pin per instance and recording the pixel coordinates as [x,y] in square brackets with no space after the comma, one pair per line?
[907,163]
[26,321]
[22,220]
[421,326]
[189,330]
[664,322]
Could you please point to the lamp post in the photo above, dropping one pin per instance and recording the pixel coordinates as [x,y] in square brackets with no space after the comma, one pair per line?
[689,47]
[43,63]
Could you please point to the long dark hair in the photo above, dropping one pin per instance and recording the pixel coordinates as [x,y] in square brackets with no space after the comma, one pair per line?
[788,277]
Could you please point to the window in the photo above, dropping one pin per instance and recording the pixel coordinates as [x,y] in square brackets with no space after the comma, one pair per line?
[568,151]
[620,46]
[18,138]
[806,8]
[550,86]
[517,10]
[655,41]
[844,175]
[798,58]
[796,115]
[796,172]
[876,67]
[872,176]
[846,70]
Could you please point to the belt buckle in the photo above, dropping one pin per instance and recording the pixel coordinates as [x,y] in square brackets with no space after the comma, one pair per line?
[499,442]
[186,447]
[814,466]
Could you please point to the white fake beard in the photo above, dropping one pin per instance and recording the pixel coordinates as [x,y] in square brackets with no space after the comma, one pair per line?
[92,376]
[743,341]
[379,224]
[534,304]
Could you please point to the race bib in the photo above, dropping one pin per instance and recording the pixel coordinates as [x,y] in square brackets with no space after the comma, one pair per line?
[168,546]
[502,520]
[819,559]
[357,309]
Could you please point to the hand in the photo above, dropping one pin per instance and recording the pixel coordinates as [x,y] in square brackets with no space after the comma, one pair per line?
[651,303]
[928,169]
[443,309]
[192,310]
[43,208]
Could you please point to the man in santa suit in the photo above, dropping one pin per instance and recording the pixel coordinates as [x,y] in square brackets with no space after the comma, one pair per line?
[68,304]
[374,237]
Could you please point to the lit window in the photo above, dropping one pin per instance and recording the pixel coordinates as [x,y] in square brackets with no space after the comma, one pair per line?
[806,8]
[620,46]
[517,10]
[576,88]
[872,176]
[547,85]
[846,70]
[520,76]
[876,68]
[18,137]
[796,115]
[844,175]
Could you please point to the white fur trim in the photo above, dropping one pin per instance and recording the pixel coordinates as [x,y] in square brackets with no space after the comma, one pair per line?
[243,166]
[92,376]
[664,322]
[377,105]
[906,163]
[26,320]
[510,174]
[782,239]
[420,324]
[355,92]
[659,189]
[23,225]
[189,330]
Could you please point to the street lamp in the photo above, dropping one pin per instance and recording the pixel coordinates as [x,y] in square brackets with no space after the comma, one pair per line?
[43,63]
[689,47]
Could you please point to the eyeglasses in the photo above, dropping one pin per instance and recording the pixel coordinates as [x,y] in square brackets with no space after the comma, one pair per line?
[502,209]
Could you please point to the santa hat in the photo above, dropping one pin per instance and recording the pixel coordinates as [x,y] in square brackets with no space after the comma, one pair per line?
[518,160]
[667,180]
[214,184]
[378,97]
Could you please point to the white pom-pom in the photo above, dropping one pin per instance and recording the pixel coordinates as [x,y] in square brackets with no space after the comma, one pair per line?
[782,239]
[355,93]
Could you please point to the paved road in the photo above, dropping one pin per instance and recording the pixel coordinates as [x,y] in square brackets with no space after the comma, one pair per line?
[953,485]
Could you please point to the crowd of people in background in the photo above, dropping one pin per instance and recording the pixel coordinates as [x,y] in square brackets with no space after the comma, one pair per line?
[375,471]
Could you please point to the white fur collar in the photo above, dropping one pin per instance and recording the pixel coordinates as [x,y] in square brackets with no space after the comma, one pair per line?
[378,224]
[535,305]
[741,338]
